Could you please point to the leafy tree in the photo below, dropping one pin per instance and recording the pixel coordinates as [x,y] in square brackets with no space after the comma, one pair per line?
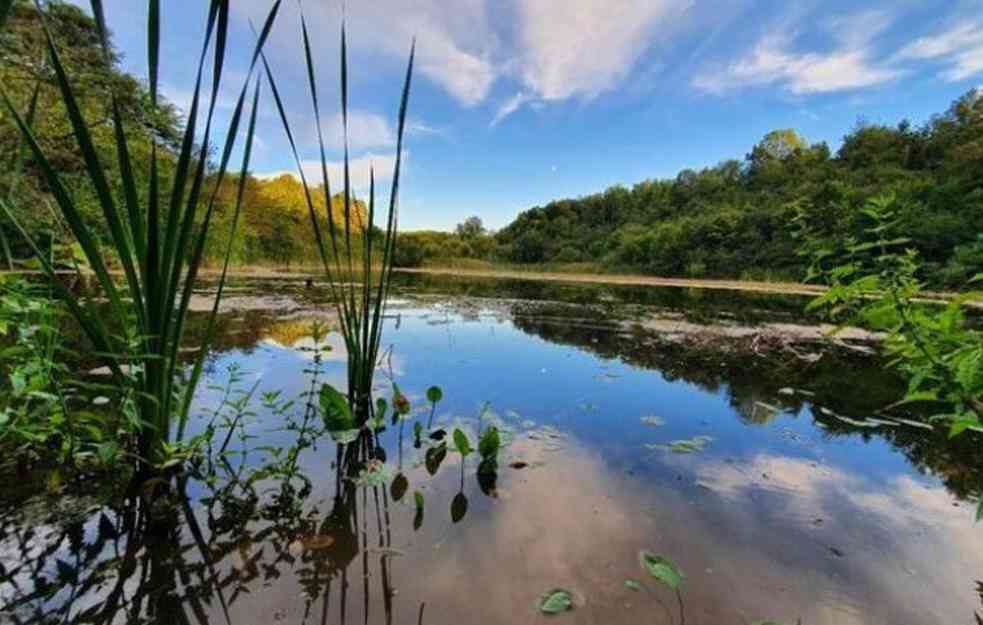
[470,228]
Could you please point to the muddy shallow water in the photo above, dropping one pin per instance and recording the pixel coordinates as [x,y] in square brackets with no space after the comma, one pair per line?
[802,503]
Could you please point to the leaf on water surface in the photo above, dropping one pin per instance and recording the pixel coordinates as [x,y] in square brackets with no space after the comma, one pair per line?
[418,517]
[335,411]
[653,420]
[685,446]
[661,569]
[399,487]
[556,601]
[434,457]
[634,585]
[459,507]
[489,443]
[461,442]
[434,394]
[438,435]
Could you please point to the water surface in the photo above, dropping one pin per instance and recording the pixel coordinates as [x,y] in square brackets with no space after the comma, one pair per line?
[798,508]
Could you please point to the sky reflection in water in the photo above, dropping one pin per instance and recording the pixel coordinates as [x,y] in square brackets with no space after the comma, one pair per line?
[784,515]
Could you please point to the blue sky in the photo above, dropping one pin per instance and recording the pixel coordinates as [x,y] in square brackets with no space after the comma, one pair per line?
[517,102]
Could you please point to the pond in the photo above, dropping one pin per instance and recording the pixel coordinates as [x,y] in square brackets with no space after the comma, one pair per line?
[717,430]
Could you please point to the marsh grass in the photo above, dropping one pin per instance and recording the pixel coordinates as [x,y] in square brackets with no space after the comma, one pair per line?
[158,241]
[356,258]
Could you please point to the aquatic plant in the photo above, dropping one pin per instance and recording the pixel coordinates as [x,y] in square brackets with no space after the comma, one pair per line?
[159,235]
[358,275]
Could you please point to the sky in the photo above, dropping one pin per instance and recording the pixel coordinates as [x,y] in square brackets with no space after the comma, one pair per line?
[515,103]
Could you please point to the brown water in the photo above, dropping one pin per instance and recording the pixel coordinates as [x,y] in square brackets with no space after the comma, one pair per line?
[800,508]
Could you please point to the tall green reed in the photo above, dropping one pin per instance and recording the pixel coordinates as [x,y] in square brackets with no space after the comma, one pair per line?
[158,241]
[358,270]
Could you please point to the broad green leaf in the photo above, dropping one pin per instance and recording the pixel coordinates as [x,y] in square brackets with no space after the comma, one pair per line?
[462,443]
[489,443]
[556,601]
[335,411]
[661,569]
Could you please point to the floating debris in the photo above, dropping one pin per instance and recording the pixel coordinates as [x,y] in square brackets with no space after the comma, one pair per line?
[653,420]
[556,601]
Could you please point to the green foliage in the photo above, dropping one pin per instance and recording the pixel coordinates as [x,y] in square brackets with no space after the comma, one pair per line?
[45,411]
[874,281]
[733,218]
[461,443]
[661,569]
[556,601]
[335,410]
[489,443]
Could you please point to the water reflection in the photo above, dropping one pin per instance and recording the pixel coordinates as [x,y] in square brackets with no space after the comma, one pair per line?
[793,512]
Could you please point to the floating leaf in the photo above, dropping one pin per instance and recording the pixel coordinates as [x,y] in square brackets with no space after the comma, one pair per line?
[489,443]
[556,601]
[653,420]
[399,487]
[461,442]
[434,394]
[459,507]
[434,457]
[438,435]
[634,585]
[661,569]
[418,517]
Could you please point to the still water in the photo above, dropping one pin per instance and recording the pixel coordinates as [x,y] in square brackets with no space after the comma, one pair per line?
[759,465]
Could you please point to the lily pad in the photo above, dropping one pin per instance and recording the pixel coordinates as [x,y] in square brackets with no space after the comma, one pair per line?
[556,601]
[661,569]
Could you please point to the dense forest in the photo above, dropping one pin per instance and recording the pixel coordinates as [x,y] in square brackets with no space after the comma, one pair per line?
[746,218]
[274,227]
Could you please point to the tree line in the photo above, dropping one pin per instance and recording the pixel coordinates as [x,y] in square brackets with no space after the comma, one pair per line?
[274,227]
[753,217]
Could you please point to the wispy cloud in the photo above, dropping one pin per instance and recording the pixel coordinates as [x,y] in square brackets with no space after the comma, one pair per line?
[851,65]
[585,47]
[509,106]
[960,48]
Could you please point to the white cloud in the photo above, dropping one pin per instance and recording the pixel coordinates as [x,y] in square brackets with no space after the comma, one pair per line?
[365,130]
[510,106]
[454,46]
[960,48]
[585,47]
[358,168]
[772,62]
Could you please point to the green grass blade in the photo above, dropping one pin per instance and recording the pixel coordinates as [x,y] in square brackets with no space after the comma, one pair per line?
[95,170]
[180,313]
[210,331]
[153,47]
[389,246]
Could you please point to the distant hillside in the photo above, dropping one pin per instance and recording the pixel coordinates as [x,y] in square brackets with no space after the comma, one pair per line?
[740,216]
